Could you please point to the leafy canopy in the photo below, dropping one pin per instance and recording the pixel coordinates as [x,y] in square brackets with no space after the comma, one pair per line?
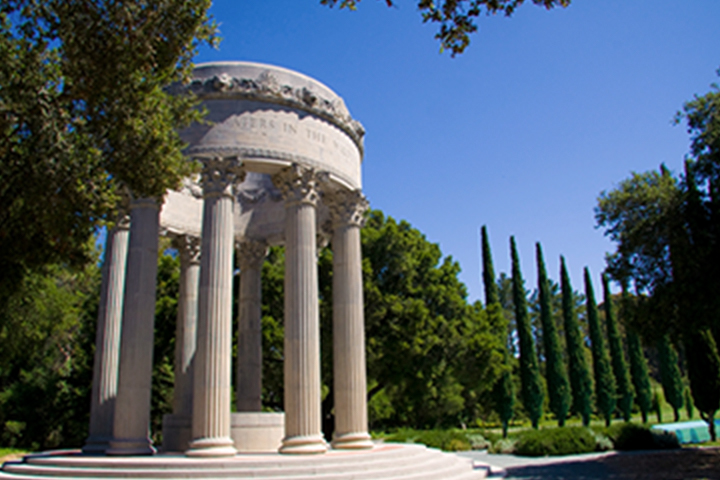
[456,18]
[83,112]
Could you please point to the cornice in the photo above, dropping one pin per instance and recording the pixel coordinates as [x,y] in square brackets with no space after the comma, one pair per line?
[266,88]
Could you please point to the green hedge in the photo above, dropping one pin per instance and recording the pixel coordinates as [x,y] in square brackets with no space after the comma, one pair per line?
[556,441]
[639,437]
[447,440]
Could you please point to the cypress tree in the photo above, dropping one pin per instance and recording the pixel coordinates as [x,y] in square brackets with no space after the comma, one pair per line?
[624,390]
[704,371]
[555,373]
[604,379]
[580,384]
[532,389]
[670,375]
[638,364]
[503,391]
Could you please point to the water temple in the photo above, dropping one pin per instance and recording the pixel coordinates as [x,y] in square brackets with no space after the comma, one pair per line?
[281,165]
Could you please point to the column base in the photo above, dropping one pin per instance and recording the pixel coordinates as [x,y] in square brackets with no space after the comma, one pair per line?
[352,441]
[307,444]
[212,447]
[177,432]
[130,447]
[96,445]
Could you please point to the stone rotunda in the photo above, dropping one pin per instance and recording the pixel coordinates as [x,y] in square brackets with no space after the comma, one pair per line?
[280,163]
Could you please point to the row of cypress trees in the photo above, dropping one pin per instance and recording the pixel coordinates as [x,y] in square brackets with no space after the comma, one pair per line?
[569,385]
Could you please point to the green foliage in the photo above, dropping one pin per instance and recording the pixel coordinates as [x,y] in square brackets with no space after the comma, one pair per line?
[689,407]
[631,436]
[604,379]
[532,388]
[163,378]
[704,371]
[580,384]
[656,405]
[457,17]
[668,235]
[447,440]
[670,375]
[625,394]
[75,127]
[46,338]
[557,381]
[503,391]
[638,364]
[434,354]
[556,441]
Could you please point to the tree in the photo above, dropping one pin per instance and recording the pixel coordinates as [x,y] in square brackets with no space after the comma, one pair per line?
[580,384]
[47,331]
[670,375]
[457,17]
[532,389]
[625,393]
[75,128]
[555,374]
[704,372]
[638,363]
[503,391]
[667,231]
[604,379]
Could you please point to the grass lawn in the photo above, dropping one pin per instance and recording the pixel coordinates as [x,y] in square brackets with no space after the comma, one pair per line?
[10,454]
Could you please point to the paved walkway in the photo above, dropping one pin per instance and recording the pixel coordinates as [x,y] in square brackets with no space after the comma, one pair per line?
[580,467]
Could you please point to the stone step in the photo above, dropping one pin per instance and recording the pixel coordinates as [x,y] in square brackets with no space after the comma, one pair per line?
[387,462]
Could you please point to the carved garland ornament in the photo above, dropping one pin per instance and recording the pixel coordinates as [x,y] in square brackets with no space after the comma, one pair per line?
[267,88]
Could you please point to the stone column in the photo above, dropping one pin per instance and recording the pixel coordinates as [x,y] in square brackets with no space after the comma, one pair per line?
[212,370]
[107,340]
[249,361]
[132,407]
[303,433]
[185,337]
[349,377]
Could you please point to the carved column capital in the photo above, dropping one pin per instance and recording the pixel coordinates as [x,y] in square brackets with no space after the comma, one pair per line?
[251,254]
[220,176]
[188,247]
[298,184]
[347,207]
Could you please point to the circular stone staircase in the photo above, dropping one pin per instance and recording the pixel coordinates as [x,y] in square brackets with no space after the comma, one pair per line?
[383,462]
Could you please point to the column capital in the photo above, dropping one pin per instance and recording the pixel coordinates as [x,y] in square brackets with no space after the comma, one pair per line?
[251,254]
[220,176]
[347,207]
[298,184]
[188,248]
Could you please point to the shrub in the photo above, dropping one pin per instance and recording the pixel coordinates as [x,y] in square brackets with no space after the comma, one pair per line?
[503,445]
[477,441]
[640,437]
[556,441]
[447,440]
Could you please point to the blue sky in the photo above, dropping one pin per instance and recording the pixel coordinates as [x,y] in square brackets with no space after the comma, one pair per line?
[521,133]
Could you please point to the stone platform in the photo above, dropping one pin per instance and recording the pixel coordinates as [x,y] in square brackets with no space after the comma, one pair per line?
[383,462]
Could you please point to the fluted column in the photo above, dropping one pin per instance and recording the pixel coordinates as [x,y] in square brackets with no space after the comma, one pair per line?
[303,432]
[349,371]
[212,369]
[107,339]
[186,329]
[132,407]
[249,360]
